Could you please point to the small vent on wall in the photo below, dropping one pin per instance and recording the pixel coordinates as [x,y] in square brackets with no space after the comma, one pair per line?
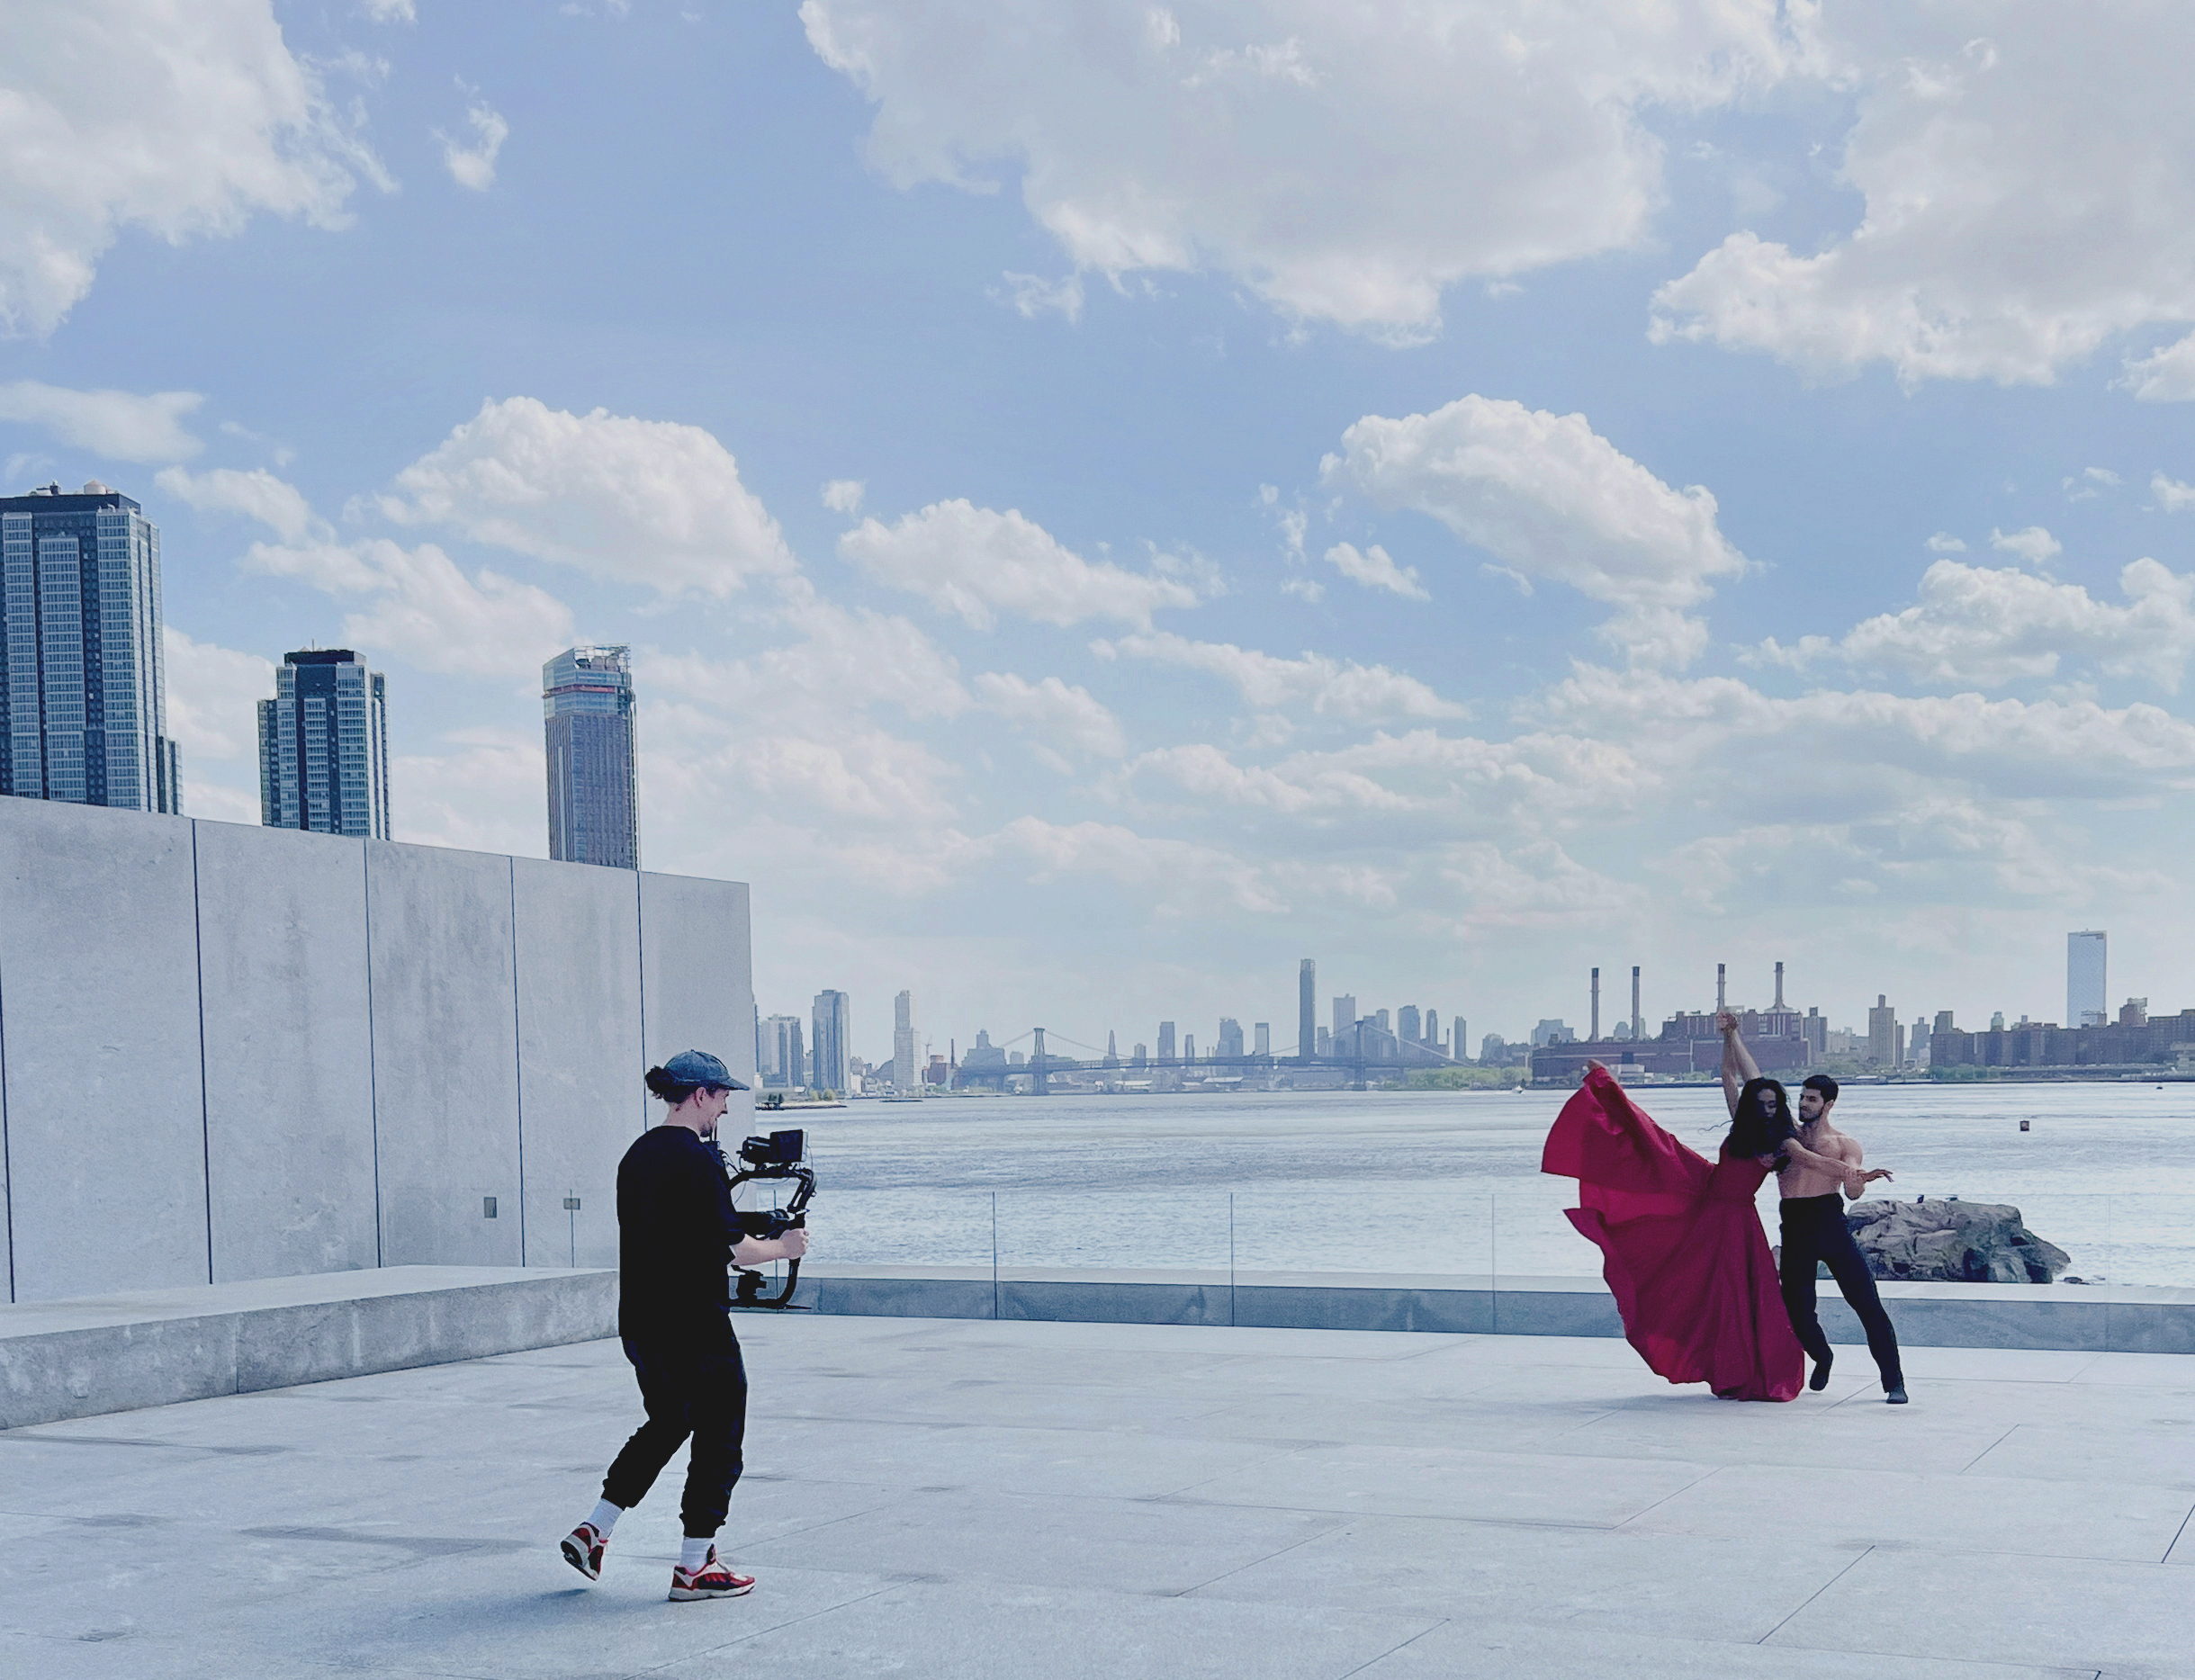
[487,1207]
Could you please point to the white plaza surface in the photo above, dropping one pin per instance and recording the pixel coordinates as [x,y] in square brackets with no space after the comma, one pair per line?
[958,1498]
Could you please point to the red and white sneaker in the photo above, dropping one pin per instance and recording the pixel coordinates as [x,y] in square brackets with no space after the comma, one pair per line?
[583,1548]
[711,1580]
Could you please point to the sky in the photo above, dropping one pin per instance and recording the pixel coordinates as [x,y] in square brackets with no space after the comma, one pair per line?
[1109,500]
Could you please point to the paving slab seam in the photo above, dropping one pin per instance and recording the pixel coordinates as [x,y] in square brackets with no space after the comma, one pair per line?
[1392,1649]
[1817,1593]
[1255,1562]
[1688,1487]
[2178,1535]
[1985,1451]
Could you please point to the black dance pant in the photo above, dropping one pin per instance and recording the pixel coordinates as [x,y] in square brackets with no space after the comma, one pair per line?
[693,1383]
[1814,1230]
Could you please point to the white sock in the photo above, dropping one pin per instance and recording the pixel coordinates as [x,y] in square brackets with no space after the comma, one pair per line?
[693,1553]
[606,1517]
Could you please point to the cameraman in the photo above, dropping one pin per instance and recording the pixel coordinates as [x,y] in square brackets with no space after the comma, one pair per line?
[678,1236]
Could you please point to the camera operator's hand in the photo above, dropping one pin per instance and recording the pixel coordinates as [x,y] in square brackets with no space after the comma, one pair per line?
[754,1251]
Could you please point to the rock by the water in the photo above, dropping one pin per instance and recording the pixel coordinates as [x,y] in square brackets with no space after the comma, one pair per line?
[1952,1242]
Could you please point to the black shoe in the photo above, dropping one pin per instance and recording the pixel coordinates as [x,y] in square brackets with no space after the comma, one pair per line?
[1895,1396]
[1820,1379]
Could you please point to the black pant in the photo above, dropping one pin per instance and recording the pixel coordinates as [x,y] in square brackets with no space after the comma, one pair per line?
[1814,1230]
[694,1383]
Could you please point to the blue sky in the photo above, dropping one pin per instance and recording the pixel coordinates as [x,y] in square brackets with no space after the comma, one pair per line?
[1109,500]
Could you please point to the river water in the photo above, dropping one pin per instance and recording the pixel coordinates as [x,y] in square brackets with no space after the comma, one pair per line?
[1445,1183]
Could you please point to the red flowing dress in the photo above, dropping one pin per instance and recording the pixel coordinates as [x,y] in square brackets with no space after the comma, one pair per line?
[1682,1247]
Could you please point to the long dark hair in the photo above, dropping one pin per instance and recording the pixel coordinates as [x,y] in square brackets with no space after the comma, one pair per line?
[1753,1133]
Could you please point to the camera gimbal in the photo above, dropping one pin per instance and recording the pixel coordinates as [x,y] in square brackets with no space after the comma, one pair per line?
[779,1156]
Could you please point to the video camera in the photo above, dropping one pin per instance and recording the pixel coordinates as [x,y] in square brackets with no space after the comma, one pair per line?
[779,1156]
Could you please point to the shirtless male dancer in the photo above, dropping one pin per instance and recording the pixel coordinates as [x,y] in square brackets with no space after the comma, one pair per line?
[1826,1162]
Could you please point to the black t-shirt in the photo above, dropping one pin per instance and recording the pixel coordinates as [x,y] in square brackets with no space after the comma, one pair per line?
[675,1232]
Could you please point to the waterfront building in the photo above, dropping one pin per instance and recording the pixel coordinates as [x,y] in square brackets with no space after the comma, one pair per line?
[780,1062]
[1344,1014]
[830,1060]
[1189,1046]
[83,680]
[1410,1025]
[1165,1041]
[1141,1058]
[906,1066]
[1883,1034]
[2084,979]
[1113,1051]
[324,746]
[593,757]
[1230,1037]
[1306,1007]
[1261,1038]
[1325,1041]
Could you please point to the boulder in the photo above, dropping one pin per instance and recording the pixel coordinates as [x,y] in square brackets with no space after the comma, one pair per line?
[1952,1242]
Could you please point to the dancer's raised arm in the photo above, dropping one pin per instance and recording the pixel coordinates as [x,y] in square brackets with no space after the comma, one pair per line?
[1737,1064]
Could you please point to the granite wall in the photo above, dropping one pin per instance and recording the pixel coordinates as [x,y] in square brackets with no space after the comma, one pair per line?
[229,1053]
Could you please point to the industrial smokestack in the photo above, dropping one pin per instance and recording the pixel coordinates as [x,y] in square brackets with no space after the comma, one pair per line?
[1638,1022]
[1722,996]
[1779,985]
[1595,1006]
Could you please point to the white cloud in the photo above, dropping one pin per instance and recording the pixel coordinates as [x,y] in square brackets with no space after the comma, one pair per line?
[182,120]
[1985,627]
[1304,588]
[119,424]
[390,10]
[1031,295]
[2171,495]
[977,563]
[1171,875]
[1329,686]
[213,697]
[486,796]
[424,609]
[2034,544]
[1944,543]
[473,166]
[1344,163]
[637,502]
[2164,375]
[843,495]
[2029,172]
[1068,720]
[1375,570]
[257,494]
[1552,498]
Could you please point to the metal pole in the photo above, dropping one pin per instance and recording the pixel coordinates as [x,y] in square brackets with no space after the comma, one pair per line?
[1493,1261]
[994,1312]
[1230,1259]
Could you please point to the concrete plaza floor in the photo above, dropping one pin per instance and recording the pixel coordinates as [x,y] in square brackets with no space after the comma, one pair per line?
[968,1498]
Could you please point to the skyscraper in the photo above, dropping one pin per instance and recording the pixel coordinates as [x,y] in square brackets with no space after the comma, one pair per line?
[1884,1039]
[1230,1036]
[1261,1038]
[586,705]
[1345,1017]
[829,1030]
[1306,1008]
[324,746]
[779,1056]
[83,686]
[1165,1041]
[906,1066]
[1407,1027]
[2084,980]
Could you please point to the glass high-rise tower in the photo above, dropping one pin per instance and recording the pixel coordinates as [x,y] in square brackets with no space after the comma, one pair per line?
[324,746]
[829,1028]
[83,684]
[587,703]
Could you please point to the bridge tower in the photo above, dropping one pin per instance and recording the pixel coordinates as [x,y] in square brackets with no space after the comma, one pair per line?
[1039,1084]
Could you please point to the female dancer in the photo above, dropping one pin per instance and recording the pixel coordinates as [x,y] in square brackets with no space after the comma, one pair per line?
[1683,1250]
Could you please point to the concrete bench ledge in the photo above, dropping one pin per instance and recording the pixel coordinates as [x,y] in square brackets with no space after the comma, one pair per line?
[118,1353]
[2102,1319]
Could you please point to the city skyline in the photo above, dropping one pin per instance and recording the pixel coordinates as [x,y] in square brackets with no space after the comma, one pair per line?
[1475,518]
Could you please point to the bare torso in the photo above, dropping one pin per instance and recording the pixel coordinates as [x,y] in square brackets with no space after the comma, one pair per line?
[1799,1179]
